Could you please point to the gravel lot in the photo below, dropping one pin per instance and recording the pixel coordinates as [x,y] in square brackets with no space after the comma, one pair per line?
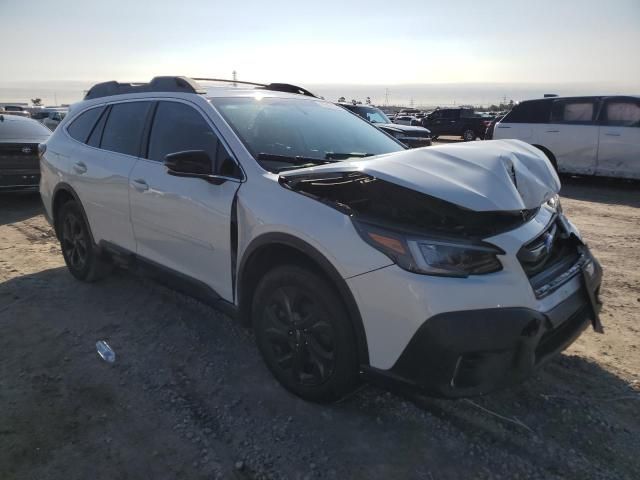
[189,397]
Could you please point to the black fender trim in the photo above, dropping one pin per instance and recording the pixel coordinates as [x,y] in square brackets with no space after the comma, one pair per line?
[276,238]
[63,186]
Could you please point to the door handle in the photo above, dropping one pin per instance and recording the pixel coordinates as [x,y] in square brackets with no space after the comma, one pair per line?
[502,126]
[552,131]
[80,168]
[140,185]
[612,134]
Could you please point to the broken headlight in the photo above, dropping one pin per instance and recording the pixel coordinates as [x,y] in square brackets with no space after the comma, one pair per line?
[450,258]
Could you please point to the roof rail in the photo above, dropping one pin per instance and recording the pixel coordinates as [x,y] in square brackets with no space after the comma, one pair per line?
[275,87]
[288,88]
[182,85]
[157,84]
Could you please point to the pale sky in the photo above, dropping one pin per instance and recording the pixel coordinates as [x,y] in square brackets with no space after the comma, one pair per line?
[329,42]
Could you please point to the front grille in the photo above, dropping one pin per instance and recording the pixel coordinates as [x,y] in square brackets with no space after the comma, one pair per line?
[548,256]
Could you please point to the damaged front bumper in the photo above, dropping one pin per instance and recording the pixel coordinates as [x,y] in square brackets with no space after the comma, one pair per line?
[474,352]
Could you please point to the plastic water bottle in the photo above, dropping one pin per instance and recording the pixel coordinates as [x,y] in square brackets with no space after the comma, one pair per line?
[105,351]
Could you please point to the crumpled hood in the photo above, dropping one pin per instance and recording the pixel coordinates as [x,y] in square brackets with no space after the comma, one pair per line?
[495,175]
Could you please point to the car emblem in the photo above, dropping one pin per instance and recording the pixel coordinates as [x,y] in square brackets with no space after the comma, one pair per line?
[26,149]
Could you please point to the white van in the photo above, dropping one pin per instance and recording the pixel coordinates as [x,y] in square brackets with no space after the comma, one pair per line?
[582,135]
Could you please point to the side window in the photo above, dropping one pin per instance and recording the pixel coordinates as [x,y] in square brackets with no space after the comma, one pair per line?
[81,126]
[96,134]
[533,111]
[123,130]
[621,113]
[579,111]
[178,127]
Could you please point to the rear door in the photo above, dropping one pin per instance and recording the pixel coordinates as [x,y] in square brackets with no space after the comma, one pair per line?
[100,169]
[619,146]
[183,223]
[572,134]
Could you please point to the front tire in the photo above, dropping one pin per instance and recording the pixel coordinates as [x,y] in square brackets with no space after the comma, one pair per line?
[304,334]
[79,252]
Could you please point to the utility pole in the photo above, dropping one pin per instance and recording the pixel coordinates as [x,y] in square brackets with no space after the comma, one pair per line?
[411,102]
[386,97]
[234,73]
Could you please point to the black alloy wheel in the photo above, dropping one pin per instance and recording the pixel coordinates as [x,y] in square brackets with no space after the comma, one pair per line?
[299,337]
[304,334]
[74,241]
[79,252]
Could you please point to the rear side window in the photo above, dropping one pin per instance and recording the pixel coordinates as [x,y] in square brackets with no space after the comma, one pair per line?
[533,111]
[123,130]
[81,126]
[178,127]
[579,111]
[621,113]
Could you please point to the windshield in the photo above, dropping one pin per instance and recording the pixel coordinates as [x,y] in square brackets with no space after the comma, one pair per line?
[22,129]
[374,115]
[295,132]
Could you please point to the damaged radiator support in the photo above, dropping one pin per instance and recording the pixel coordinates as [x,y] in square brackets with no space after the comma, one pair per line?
[384,203]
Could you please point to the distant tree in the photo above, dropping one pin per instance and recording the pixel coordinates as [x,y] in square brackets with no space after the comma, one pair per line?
[368,100]
[342,99]
[37,102]
[494,108]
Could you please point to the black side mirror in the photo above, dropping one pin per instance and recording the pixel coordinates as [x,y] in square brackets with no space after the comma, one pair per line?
[190,163]
[193,163]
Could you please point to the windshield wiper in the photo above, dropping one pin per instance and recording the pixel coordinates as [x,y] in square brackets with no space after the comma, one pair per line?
[295,160]
[344,156]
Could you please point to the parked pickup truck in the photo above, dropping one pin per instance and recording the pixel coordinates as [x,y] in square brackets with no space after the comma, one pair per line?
[461,122]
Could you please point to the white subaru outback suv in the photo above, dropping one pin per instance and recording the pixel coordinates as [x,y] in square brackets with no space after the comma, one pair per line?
[449,268]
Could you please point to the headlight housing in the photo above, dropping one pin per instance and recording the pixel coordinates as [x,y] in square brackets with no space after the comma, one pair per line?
[431,256]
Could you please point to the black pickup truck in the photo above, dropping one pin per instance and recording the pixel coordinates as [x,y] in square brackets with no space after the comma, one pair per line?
[461,122]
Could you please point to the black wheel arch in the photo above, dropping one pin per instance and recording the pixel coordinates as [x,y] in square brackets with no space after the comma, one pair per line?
[63,193]
[550,156]
[271,249]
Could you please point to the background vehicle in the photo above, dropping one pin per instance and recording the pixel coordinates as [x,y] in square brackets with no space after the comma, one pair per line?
[488,133]
[19,163]
[594,135]
[455,121]
[403,119]
[412,137]
[264,202]
[17,110]
[53,119]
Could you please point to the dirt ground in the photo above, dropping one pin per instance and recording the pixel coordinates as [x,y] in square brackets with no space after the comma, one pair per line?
[189,397]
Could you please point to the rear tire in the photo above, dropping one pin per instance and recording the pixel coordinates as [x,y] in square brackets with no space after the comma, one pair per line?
[468,135]
[304,334]
[79,252]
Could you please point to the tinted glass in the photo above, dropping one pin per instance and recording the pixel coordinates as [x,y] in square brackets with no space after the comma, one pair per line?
[80,128]
[533,111]
[618,113]
[96,133]
[123,130]
[301,127]
[178,127]
[579,111]
[372,114]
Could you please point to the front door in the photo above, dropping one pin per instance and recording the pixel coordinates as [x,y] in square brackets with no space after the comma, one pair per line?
[182,223]
[619,148]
